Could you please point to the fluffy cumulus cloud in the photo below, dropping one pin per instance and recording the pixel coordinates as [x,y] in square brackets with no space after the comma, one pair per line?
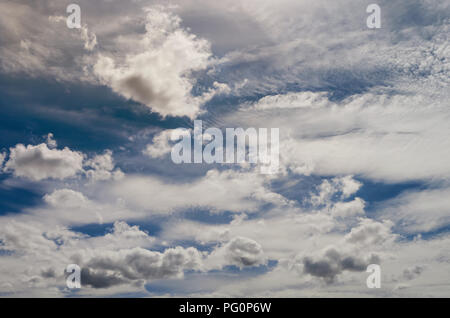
[37,42]
[363,118]
[156,68]
[339,187]
[45,161]
[370,232]
[101,167]
[65,198]
[50,141]
[344,209]
[239,251]
[113,259]
[332,263]
[158,74]
[39,162]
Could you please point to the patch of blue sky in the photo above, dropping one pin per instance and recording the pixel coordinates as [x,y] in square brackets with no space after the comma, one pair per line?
[96,229]
[203,282]
[82,117]
[14,199]
[441,231]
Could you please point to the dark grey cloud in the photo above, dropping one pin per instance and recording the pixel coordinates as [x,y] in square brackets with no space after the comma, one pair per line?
[100,278]
[412,272]
[333,263]
[109,268]
[49,273]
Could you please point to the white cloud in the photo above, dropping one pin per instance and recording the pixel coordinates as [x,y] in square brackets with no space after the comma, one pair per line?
[65,198]
[349,209]
[393,130]
[333,263]
[161,144]
[39,162]
[70,208]
[217,191]
[36,41]
[90,39]
[44,161]
[370,232]
[419,211]
[106,260]
[395,260]
[101,168]
[50,141]
[342,186]
[158,74]
[293,100]
[391,137]
[412,272]
[117,258]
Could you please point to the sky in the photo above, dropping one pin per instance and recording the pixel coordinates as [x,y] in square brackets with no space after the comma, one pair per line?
[87,177]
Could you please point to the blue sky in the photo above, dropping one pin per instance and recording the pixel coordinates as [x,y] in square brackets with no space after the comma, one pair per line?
[86,172]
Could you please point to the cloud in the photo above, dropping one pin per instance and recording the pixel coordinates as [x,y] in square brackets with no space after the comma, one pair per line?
[339,187]
[66,198]
[121,228]
[100,278]
[106,260]
[50,141]
[412,273]
[101,168]
[351,104]
[332,263]
[90,39]
[336,50]
[39,162]
[2,159]
[162,143]
[33,238]
[370,232]
[242,252]
[349,209]
[213,191]
[44,161]
[159,73]
[115,267]
[239,251]
[418,211]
